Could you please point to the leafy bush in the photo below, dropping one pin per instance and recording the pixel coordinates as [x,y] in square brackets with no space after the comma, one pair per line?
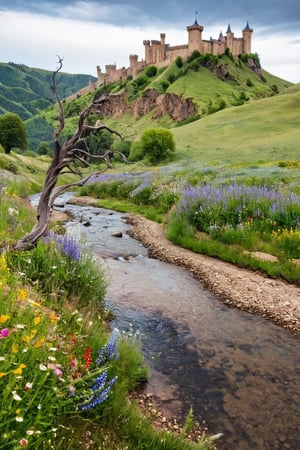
[179,62]
[151,71]
[157,144]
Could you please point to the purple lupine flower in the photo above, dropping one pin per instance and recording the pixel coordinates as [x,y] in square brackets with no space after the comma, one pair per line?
[100,396]
[109,351]
[68,245]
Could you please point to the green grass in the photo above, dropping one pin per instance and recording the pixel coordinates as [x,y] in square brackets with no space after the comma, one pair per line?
[261,131]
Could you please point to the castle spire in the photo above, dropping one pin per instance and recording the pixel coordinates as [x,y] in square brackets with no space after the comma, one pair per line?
[247,27]
[196,15]
[229,29]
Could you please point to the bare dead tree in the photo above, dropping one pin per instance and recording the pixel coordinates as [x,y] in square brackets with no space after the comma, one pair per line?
[70,157]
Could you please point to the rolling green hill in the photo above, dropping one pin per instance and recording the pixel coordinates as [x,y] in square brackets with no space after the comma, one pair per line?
[262,130]
[26,91]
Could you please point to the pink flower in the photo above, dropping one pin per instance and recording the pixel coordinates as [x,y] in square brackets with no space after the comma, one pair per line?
[55,369]
[23,442]
[4,333]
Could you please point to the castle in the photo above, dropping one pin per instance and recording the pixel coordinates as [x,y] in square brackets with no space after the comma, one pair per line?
[160,54]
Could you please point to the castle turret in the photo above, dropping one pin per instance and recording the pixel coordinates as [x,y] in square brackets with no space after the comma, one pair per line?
[229,38]
[247,36]
[195,37]
[148,52]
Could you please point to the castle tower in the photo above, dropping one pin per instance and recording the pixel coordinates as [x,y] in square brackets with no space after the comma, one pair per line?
[133,61]
[195,37]
[229,38]
[148,52]
[247,36]
[162,46]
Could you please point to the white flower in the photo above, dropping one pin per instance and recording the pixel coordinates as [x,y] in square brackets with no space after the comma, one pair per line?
[16,396]
[19,419]
[53,349]
[20,326]
[29,432]
[51,358]
[2,358]
[43,367]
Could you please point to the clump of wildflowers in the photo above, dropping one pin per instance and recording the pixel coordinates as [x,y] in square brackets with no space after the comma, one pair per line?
[101,386]
[68,245]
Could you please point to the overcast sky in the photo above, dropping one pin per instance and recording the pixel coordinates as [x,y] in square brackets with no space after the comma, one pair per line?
[87,33]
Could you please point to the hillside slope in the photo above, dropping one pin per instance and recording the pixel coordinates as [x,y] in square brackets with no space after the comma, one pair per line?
[26,91]
[262,130]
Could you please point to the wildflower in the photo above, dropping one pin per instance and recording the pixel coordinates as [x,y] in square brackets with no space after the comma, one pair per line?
[14,348]
[73,361]
[16,396]
[53,317]
[72,340]
[22,294]
[2,374]
[19,419]
[4,318]
[29,432]
[108,352]
[43,368]
[39,342]
[4,333]
[23,442]
[2,358]
[53,349]
[20,326]
[55,369]
[28,386]
[30,336]
[19,370]
[36,320]
[88,358]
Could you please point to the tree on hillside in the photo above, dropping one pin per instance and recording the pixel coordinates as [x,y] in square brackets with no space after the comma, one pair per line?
[157,143]
[12,132]
[69,157]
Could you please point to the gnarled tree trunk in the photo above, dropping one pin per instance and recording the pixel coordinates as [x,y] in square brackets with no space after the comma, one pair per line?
[67,158]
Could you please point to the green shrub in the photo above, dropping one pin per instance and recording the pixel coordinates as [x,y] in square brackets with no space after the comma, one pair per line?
[151,71]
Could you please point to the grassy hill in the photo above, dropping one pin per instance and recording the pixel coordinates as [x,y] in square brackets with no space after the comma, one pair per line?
[262,130]
[26,91]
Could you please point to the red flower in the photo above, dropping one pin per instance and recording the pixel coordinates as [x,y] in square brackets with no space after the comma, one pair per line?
[88,357]
[23,442]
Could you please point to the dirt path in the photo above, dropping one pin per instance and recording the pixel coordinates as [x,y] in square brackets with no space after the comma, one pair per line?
[272,299]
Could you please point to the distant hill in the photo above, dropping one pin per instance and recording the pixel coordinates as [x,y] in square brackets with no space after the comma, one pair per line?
[26,91]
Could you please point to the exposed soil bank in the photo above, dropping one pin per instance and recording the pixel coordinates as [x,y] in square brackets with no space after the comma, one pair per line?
[273,299]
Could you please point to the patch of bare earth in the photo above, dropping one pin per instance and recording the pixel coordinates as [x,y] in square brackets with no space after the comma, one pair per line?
[250,291]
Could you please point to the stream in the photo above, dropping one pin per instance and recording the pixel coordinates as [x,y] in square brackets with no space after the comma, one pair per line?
[239,372]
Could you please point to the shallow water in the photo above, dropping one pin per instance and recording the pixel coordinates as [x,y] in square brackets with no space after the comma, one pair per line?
[239,372]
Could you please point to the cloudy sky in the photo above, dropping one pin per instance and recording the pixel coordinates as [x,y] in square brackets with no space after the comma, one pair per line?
[87,33]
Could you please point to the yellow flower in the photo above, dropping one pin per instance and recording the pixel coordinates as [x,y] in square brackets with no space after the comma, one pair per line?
[22,294]
[29,337]
[4,318]
[36,320]
[39,342]
[2,374]
[19,370]
[53,317]
[3,265]
[15,348]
